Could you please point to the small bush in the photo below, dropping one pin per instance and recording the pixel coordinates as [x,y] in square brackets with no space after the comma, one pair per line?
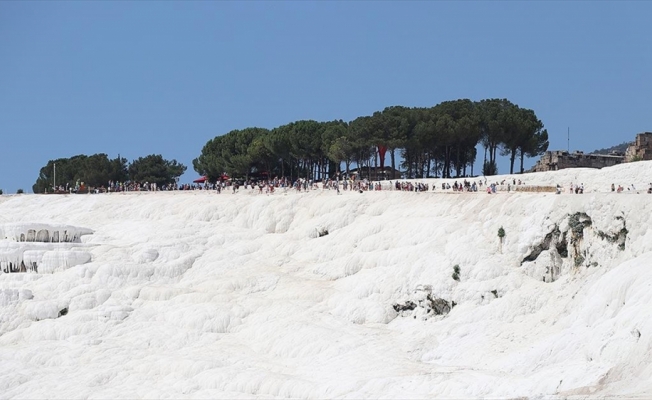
[489,168]
[19,191]
[577,222]
[0,191]
[456,273]
[501,232]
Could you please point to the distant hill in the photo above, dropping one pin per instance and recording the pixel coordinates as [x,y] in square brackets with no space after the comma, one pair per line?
[620,148]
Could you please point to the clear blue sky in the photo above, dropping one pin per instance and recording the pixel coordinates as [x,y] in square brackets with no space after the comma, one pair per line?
[139,78]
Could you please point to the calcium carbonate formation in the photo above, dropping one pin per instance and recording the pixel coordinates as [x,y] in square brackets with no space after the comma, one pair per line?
[42,248]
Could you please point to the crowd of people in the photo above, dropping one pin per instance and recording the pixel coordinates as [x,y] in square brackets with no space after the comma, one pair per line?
[114,187]
[270,186]
[358,185]
[631,188]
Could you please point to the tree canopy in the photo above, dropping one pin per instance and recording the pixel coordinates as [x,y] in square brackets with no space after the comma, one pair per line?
[97,170]
[155,169]
[432,141]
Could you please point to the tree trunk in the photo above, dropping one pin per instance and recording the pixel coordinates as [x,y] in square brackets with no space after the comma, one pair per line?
[369,168]
[391,154]
[422,165]
[512,158]
[376,162]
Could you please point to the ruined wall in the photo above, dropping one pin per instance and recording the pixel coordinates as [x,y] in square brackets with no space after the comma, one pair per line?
[556,160]
[641,149]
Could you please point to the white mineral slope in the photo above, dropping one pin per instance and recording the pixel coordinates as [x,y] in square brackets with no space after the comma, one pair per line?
[200,295]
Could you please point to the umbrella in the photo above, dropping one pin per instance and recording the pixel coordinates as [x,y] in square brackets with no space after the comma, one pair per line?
[200,180]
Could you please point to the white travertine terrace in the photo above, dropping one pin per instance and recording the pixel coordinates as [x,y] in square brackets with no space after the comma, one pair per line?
[44,233]
[205,295]
[43,248]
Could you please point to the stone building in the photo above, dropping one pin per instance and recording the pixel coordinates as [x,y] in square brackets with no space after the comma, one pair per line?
[641,149]
[556,160]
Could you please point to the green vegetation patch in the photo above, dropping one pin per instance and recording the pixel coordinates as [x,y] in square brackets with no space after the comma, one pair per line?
[577,222]
[456,272]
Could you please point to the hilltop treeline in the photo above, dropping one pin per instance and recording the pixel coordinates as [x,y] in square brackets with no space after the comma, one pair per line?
[619,148]
[97,170]
[430,141]
[434,141]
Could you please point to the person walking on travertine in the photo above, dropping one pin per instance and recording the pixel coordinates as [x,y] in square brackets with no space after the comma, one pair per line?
[337,182]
